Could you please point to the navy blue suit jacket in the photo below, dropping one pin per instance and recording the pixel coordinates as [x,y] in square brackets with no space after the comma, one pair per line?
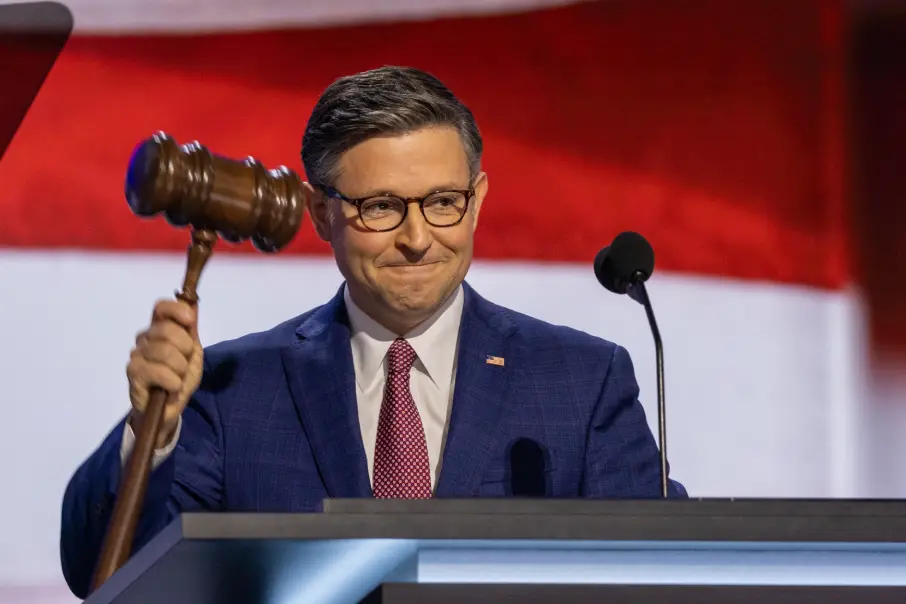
[274,427]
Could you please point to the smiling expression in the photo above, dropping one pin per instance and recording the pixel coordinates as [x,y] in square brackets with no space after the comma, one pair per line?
[400,277]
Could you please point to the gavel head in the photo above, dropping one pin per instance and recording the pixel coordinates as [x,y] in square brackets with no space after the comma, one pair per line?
[238,199]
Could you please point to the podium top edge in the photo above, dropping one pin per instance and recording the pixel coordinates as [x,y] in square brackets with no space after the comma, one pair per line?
[545,520]
[644,507]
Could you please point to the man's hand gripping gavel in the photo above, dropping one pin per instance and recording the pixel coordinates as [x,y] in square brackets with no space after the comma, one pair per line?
[192,187]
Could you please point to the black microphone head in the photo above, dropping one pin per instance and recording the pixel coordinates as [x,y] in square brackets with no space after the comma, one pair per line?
[619,264]
[603,272]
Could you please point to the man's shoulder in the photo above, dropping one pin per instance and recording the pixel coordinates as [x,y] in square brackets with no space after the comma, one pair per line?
[563,356]
[543,337]
[269,340]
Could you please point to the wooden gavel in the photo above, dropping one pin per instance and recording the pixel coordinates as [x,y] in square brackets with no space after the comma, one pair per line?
[238,200]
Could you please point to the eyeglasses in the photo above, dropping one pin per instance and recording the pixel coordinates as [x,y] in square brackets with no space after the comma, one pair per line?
[386,212]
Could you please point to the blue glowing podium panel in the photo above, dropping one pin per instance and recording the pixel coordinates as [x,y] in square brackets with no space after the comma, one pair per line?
[833,551]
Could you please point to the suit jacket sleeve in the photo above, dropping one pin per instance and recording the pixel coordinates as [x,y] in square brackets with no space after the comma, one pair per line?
[190,479]
[622,456]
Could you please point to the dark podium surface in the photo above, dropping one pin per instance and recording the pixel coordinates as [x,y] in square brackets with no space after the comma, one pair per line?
[501,550]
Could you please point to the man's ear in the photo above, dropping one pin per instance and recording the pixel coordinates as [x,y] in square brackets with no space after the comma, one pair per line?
[316,201]
[481,189]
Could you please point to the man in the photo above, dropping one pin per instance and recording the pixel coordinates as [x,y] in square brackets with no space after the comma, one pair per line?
[406,384]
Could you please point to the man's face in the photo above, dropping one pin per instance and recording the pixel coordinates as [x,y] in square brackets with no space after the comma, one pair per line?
[400,277]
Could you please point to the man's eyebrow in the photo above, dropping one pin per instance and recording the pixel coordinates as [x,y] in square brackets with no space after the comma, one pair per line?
[435,189]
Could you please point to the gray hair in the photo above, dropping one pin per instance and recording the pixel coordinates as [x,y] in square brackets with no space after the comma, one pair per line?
[385,101]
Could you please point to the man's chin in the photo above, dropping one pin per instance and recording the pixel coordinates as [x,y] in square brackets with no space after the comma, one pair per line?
[420,305]
[416,300]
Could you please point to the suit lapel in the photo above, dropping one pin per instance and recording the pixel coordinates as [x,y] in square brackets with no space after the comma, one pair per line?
[479,396]
[321,378]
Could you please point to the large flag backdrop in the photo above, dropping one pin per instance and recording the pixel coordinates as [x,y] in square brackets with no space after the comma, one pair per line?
[715,128]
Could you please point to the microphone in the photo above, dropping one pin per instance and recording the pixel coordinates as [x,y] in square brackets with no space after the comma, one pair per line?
[623,267]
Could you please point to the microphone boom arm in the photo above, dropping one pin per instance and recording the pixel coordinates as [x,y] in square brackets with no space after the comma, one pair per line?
[639,293]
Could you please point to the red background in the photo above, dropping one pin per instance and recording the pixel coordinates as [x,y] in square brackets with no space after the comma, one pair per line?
[719,129]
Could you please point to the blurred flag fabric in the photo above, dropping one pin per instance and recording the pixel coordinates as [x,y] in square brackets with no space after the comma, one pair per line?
[714,128]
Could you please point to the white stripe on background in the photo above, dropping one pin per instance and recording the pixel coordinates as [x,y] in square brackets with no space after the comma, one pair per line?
[131,16]
[45,594]
[754,371]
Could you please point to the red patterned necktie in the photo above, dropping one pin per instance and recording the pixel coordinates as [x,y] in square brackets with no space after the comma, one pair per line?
[401,468]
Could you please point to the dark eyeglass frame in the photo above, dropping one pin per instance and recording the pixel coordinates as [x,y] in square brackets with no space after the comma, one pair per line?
[358,201]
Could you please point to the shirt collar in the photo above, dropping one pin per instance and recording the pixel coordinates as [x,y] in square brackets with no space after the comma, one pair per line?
[435,341]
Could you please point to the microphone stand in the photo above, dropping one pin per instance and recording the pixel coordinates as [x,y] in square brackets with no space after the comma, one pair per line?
[637,291]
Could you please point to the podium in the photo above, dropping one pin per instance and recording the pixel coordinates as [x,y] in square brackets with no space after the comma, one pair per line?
[503,550]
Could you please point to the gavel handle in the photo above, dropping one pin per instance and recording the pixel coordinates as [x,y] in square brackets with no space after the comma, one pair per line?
[131,494]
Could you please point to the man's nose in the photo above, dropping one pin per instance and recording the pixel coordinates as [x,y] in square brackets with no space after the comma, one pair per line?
[415,232]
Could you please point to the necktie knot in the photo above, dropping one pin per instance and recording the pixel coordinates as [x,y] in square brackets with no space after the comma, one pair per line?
[400,357]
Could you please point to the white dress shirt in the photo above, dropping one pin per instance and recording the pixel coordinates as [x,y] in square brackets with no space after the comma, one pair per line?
[432,378]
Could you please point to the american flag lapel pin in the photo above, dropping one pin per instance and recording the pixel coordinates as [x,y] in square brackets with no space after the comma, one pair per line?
[492,360]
